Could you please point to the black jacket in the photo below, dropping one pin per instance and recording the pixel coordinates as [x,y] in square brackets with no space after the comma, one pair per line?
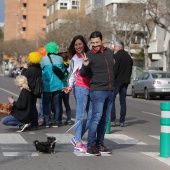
[21,109]
[100,70]
[31,73]
[122,67]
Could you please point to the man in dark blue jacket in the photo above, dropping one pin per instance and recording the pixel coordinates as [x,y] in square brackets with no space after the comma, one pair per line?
[122,72]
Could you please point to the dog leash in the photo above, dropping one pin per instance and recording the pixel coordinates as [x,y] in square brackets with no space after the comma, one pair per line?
[67,131]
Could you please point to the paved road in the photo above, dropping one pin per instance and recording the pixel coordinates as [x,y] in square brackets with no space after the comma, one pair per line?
[135,146]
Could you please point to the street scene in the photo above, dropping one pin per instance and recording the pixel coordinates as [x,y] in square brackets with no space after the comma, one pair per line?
[135,146]
[85,84]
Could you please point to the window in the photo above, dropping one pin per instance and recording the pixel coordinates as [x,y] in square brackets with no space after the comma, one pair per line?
[24,29]
[44,17]
[63,5]
[76,4]
[44,29]
[44,5]
[24,5]
[24,17]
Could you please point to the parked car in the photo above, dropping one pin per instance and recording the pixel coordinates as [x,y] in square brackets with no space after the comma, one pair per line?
[136,72]
[152,84]
[8,72]
[17,71]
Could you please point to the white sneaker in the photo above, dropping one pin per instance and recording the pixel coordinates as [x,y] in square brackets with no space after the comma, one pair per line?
[113,123]
[24,127]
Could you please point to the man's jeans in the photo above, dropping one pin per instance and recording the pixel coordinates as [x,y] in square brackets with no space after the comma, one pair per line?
[101,107]
[83,104]
[51,98]
[11,121]
[120,88]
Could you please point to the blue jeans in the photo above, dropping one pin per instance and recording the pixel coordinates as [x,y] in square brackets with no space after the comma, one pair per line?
[101,107]
[65,99]
[49,99]
[41,107]
[83,104]
[120,88]
[11,121]
[34,115]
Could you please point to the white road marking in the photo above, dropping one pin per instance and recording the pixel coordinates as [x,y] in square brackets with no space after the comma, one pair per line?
[123,139]
[86,154]
[20,154]
[151,113]
[12,138]
[9,92]
[156,137]
[156,156]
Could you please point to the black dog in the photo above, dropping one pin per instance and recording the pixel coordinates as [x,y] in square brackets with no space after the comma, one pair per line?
[45,147]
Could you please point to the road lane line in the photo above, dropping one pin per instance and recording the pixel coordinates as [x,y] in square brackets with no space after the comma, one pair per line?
[9,92]
[151,114]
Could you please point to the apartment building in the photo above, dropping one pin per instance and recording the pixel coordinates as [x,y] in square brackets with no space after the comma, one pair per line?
[25,19]
[59,11]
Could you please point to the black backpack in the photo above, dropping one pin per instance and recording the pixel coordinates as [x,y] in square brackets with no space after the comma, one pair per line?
[39,88]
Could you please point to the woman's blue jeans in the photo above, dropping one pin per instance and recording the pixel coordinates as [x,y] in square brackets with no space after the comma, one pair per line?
[83,104]
[11,121]
[101,107]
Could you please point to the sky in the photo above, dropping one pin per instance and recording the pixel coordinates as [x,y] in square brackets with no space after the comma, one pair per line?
[2,7]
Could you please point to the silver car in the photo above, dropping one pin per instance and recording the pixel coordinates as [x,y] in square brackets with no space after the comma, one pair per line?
[152,84]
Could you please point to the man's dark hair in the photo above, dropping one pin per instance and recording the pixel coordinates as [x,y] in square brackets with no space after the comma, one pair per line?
[96,34]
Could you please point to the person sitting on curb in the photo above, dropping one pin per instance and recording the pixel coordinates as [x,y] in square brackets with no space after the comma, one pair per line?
[21,110]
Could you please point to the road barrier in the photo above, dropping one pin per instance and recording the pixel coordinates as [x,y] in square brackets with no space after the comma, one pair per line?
[165,130]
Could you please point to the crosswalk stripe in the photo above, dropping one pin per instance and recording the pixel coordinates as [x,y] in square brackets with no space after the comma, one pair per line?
[156,156]
[12,138]
[85,154]
[20,154]
[123,139]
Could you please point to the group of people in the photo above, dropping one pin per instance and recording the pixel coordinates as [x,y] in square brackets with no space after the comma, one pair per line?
[94,75]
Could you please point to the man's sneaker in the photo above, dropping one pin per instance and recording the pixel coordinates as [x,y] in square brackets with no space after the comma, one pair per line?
[52,124]
[60,123]
[73,141]
[44,124]
[121,124]
[82,148]
[93,150]
[23,127]
[113,123]
[68,122]
[103,149]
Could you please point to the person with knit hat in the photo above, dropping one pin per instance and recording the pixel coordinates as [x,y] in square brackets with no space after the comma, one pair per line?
[32,72]
[52,84]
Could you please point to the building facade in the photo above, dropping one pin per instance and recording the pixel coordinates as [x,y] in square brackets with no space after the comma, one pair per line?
[59,11]
[25,19]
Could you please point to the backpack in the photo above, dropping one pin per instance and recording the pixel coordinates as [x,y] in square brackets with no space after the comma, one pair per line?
[39,88]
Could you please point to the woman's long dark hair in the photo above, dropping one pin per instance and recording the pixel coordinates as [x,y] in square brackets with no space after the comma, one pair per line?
[71,49]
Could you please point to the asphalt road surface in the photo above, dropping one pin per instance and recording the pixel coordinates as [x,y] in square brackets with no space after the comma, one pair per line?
[135,146]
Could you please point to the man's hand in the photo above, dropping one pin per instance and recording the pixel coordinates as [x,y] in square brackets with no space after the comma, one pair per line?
[85,60]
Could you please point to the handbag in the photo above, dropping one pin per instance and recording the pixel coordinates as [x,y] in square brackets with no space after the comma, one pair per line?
[56,70]
[5,109]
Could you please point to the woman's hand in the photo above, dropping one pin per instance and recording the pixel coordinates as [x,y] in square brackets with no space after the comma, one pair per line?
[11,100]
[67,89]
[85,60]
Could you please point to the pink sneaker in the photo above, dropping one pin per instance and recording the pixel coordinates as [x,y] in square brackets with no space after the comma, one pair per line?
[81,148]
